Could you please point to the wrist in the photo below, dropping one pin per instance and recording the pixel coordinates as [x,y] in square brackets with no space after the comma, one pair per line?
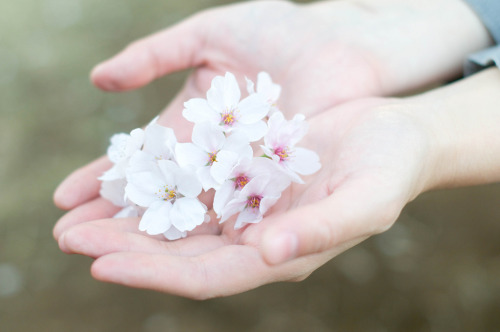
[461,121]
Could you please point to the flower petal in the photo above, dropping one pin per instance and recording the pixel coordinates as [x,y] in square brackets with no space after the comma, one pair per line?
[304,161]
[250,86]
[256,186]
[221,169]
[117,149]
[275,123]
[239,143]
[187,213]
[267,202]
[222,196]
[247,216]
[254,131]
[209,137]
[224,93]
[142,187]
[234,206]
[206,179]
[114,173]
[127,212]
[190,154]
[156,218]
[187,182]
[198,110]
[232,92]
[169,170]
[174,234]
[252,109]
[266,88]
[159,141]
[114,191]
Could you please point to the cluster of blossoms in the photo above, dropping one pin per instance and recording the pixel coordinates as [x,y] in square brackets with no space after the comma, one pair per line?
[159,179]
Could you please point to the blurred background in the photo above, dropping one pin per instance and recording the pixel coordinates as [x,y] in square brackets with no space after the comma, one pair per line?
[437,269]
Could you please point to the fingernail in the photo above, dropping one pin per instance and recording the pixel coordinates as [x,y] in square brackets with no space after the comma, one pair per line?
[282,248]
[62,243]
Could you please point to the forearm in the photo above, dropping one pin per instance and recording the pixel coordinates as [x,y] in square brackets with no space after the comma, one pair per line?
[414,43]
[463,121]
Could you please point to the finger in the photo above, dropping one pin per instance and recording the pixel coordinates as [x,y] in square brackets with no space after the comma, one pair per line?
[98,208]
[176,48]
[102,237]
[81,185]
[224,271]
[355,210]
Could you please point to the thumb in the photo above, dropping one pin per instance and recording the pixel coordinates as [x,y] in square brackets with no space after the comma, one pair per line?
[176,48]
[350,213]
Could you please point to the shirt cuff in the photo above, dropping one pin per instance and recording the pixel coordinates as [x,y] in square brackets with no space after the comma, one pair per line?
[482,59]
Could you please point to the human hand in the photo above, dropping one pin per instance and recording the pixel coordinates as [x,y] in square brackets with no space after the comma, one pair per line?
[378,154]
[373,159]
[322,54]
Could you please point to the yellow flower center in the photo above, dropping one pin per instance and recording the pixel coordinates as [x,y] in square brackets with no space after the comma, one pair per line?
[282,153]
[228,118]
[166,193]
[212,158]
[241,181]
[254,202]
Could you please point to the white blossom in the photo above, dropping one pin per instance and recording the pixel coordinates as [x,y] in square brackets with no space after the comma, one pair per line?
[158,179]
[279,144]
[169,194]
[114,191]
[224,108]
[122,147]
[213,154]
[266,89]
[255,199]
[241,174]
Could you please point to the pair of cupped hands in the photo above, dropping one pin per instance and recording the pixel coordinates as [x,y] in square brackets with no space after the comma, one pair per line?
[334,61]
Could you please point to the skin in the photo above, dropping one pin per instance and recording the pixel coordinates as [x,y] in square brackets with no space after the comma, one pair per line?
[377,153]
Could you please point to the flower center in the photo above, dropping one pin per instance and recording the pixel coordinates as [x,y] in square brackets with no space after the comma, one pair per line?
[282,152]
[254,202]
[241,181]
[212,158]
[228,118]
[161,157]
[166,193]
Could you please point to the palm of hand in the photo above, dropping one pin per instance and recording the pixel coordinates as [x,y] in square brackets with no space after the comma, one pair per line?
[283,32]
[360,191]
[293,47]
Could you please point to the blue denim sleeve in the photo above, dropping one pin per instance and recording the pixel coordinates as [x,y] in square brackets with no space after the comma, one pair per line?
[489,13]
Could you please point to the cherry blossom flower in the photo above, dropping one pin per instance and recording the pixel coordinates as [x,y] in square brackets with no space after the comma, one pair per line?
[266,89]
[241,174]
[280,146]
[255,199]
[114,191]
[159,141]
[159,144]
[224,108]
[169,194]
[122,147]
[158,179]
[213,154]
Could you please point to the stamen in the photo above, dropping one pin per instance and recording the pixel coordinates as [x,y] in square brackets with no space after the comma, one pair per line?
[166,194]
[282,152]
[254,202]
[228,118]
[212,158]
[241,181]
